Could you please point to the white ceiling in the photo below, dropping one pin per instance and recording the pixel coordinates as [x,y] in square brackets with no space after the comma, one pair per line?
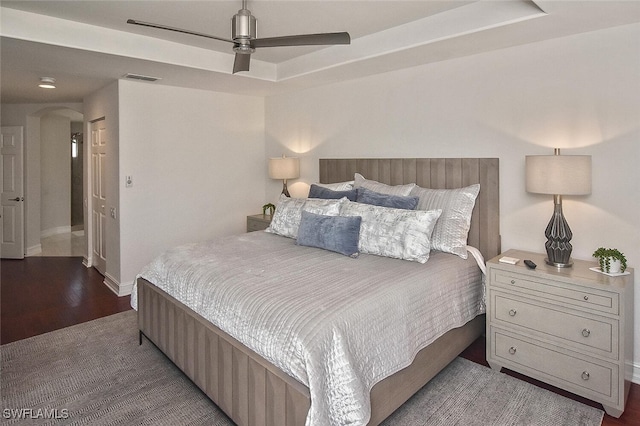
[86,45]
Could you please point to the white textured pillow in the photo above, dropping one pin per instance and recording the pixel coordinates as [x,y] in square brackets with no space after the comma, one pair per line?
[383,188]
[397,233]
[338,186]
[452,229]
[286,219]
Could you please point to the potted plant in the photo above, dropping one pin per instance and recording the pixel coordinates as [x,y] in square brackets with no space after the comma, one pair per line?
[269,209]
[611,260]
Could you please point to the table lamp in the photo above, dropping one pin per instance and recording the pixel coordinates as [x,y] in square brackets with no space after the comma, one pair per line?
[284,168]
[558,175]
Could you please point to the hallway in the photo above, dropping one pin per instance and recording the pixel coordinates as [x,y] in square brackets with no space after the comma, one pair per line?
[68,245]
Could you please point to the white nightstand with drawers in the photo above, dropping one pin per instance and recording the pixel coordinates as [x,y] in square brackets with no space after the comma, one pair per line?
[569,327]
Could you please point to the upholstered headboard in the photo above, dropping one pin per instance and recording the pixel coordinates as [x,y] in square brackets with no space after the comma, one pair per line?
[437,173]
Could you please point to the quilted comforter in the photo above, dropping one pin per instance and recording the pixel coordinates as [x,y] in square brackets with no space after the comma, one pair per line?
[336,324]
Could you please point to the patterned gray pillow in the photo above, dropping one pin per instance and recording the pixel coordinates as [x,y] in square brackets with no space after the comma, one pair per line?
[452,229]
[397,233]
[286,219]
[383,188]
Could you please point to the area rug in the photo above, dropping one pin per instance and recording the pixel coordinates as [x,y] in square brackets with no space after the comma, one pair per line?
[96,374]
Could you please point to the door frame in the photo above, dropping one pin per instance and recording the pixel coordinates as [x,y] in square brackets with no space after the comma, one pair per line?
[90,260]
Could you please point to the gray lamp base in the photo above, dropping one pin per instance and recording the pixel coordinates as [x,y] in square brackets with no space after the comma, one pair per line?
[285,190]
[558,236]
[558,265]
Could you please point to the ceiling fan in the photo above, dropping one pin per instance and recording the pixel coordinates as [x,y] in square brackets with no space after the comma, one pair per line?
[243,37]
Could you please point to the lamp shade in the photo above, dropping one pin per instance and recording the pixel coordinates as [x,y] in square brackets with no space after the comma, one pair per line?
[558,174]
[284,168]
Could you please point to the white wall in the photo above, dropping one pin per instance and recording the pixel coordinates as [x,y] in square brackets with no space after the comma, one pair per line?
[579,93]
[28,116]
[55,174]
[198,165]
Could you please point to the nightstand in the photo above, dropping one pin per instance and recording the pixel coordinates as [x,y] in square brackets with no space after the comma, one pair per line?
[258,222]
[569,327]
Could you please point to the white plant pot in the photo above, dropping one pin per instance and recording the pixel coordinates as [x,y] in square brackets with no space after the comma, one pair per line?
[614,266]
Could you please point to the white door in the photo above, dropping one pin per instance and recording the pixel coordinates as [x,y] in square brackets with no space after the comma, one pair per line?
[12,213]
[98,195]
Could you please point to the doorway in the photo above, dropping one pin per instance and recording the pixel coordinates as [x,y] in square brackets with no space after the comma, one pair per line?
[77,166]
[59,228]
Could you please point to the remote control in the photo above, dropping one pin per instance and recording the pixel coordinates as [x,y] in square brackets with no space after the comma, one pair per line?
[530,264]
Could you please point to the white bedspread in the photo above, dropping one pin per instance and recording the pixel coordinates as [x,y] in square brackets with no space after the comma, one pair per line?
[336,324]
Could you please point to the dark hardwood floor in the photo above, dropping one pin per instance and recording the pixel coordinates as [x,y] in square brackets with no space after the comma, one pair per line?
[42,294]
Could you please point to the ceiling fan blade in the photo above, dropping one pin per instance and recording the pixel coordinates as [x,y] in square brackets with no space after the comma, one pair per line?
[303,40]
[241,63]
[178,30]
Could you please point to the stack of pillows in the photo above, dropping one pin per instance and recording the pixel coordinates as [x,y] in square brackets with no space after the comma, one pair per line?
[366,216]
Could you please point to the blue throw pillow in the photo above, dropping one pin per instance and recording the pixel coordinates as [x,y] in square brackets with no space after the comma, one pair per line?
[334,233]
[317,191]
[367,196]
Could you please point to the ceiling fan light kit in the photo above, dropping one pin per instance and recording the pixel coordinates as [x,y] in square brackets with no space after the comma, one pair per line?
[244,37]
[244,26]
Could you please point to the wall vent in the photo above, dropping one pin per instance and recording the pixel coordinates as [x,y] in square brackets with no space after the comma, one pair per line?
[141,77]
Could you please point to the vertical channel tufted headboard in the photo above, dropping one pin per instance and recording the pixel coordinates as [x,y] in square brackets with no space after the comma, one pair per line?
[437,173]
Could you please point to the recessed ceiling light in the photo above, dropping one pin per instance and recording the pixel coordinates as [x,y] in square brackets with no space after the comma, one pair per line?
[47,83]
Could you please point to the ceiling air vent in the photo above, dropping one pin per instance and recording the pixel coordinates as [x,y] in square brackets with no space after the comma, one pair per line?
[141,77]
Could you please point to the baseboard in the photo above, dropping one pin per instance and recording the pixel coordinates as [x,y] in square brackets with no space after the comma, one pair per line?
[118,288]
[126,289]
[111,283]
[635,377]
[55,231]
[33,250]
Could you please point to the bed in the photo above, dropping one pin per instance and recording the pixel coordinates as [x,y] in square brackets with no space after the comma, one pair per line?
[259,389]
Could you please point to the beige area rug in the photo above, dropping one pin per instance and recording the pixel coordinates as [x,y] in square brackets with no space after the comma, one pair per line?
[96,374]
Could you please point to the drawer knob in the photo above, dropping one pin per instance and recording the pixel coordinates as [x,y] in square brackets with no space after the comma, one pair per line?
[586,332]
[513,312]
[585,375]
[586,297]
[512,351]
[513,281]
